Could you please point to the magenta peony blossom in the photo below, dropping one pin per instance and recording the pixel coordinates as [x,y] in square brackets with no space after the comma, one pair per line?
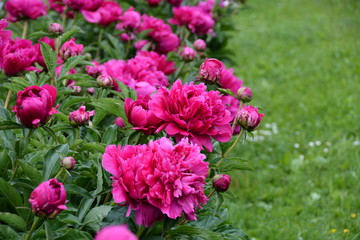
[139,115]
[48,199]
[5,35]
[95,70]
[210,70]
[249,118]
[57,5]
[25,9]
[34,105]
[158,178]
[175,3]
[200,45]
[79,5]
[80,116]
[130,20]
[70,49]
[188,54]
[108,13]
[153,3]
[221,182]
[115,233]
[190,111]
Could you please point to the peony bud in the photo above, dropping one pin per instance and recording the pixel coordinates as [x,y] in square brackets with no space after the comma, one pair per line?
[70,49]
[221,182]
[80,116]
[188,54]
[248,118]
[90,91]
[56,29]
[77,89]
[119,122]
[48,199]
[244,94]
[104,81]
[115,233]
[68,163]
[210,70]
[200,45]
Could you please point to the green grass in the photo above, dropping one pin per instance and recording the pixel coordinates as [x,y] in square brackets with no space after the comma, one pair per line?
[302,60]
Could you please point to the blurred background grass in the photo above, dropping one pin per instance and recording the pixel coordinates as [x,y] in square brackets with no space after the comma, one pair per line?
[302,60]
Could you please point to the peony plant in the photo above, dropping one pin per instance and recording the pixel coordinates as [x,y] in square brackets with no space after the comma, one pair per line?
[116,120]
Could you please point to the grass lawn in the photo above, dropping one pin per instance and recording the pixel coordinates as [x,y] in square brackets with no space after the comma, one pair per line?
[302,60]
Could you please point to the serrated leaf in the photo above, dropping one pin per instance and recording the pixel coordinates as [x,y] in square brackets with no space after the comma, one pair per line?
[52,159]
[95,216]
[5,125]
[50,57]
[13,220]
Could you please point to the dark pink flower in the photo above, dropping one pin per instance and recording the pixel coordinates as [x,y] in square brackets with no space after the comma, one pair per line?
[244,94]
[34,105]
[17,56]
[229,81]
[232,105]
[89,5]
[153,3]
[168,179]
[210,70]
[25,9]
[56,29]
[221,182]
[188,54]
[115,233]
[140,44]
[48,199]
[70,49]
[130,20]
[175,3]
[190,111]
[249,118]
[5,35]
[57,5]
[160,60]
[80,116]
[95,70]
[139,115]
[200,45]
[108,13]
[119,122]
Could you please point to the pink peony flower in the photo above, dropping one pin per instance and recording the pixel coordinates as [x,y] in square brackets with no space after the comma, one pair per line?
[115,233]
[229,81]
[70,49]
[153,3]
[119,122]
[210,70]
[221,182]
[244,94]
[200,45]
[249,118]
[95,70]
[188,54]
[168,179]
[25,9]
[190,111]
[139,115]
[160,61]
[17,56]
[232,105]
[108,13]
[139,45]
[130,20]
[48,199]
[5,35]
[57,5]
[79,5]
[34,105]
[80,116]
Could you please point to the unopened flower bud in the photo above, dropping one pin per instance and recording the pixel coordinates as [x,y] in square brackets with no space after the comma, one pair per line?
[188,54]
[104,81]
[77,89]
[80,116]
[119,122]
[70,49]
[244,94]
[56,29]
[90,91]
[210,70]
[68,163]
[221,182]
[248,118]
[200,45]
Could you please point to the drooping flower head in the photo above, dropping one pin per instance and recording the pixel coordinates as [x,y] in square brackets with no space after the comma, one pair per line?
[120,232]
[190,111]
[34,105]
[25,9]
[158,178]
[106,14]
[48,199]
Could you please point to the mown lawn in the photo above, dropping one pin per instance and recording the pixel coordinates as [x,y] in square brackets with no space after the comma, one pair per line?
[302,59]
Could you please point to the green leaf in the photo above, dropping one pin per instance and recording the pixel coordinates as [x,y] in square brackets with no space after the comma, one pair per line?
[77,190]
[52,159]
[226,91]
[74,234]
[95,216]
[67,35]
[110,135]
[37,35]
[189,232]
[73,100]
[71,63]
[92,147]
[51,133]
[84,206]
[111,105]
[32,173]
[20,81]
[13,87]
[234,164]
[99,178]
[4,125]
[69,219]
[13,220]
[50,57]
[7,232]
[78,77]
[10,193]
[231,232]
[128,92]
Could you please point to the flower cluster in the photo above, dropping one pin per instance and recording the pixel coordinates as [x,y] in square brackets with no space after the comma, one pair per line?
[158,178]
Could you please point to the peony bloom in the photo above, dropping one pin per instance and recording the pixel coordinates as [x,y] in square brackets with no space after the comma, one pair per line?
[188,54]
[139,115]
[48,199]
[153,3]
[229,81]
[5,35]
[130,20]
[158,178]
[79,5]
[25,9]
[70,49]
[210,70]
[17,56]
[244,94]
[200,45]
[249,118]
[57,5]
[190,111]
[221,182]
[175,3]
[108,13]
[34,105]
[115,233]
[68,163]
[80,116]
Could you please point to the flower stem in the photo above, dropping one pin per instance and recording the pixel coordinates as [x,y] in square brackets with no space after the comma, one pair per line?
[231,148]
[59,173]
[33,226]
[99,42]
[7,99]
[140,232]
[127,49]
[25,28]
[211,193]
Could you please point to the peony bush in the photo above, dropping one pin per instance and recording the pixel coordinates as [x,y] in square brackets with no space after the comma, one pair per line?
[117,119]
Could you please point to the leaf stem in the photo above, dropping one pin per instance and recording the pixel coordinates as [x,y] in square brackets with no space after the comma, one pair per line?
[231,148]
[99,42]
[59,173]
[25,28]
[33,226]
[7,99]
